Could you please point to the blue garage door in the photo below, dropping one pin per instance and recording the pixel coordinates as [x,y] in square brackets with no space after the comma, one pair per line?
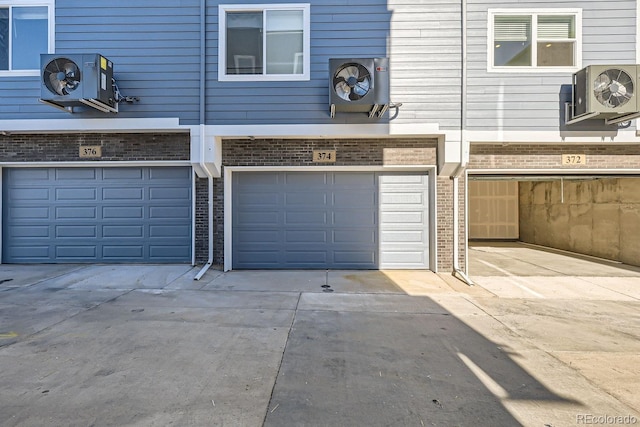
[123,214]
[336,220]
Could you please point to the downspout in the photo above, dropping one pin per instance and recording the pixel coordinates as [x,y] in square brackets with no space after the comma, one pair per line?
[457,271]
[203,140]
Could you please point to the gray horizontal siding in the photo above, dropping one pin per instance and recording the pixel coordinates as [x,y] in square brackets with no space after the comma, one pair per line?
[422,40]
[155,47]
[531,101]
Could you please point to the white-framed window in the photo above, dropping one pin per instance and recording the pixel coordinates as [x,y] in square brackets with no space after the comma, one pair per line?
[534,40]
[26,31]
[264,42]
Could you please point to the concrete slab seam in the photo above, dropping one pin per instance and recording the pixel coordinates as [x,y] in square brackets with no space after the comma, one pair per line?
[284,350]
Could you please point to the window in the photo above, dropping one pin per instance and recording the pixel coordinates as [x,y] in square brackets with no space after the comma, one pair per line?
[25,33]
[264,42]
[541,40]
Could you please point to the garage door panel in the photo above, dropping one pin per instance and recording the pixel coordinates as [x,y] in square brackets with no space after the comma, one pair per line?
[76,193]
[402,236]
[28,174]
[75,174]
[400,257]
[29,194]
[346,197]
[169,212]
[31,252]
[354,218]
[124,214]
[113,231]
[76,231]
[402,218]
[27,213]
[263,199]
[310,217]
[306,180]
[28,231]
[306,236]
[349,235]
[122,252]
[354,257]
[165,252]
[354,180]
[330,220]
[401,198]
[122,174]
[169,231]
[258,219]
[120,193]
[77,252]
[169,193]
[170,174]
[306,199]
[75,212]
[305,257]
[257,258]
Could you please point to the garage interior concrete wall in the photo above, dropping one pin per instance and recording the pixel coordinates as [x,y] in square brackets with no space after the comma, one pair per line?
[599,217]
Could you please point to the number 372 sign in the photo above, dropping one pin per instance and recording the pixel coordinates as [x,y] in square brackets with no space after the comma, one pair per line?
[574,159]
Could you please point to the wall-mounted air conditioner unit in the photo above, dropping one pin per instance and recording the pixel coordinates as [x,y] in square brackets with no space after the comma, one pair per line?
[359,85]
[606,92]
[75,80]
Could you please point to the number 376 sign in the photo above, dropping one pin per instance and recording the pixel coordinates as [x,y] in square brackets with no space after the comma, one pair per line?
[91,151]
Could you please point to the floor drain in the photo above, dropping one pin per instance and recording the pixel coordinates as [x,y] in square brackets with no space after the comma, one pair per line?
[326,286]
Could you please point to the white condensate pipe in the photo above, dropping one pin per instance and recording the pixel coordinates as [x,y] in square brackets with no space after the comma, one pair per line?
[457,271]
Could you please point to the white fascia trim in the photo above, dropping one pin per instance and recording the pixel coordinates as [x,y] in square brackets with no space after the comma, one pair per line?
[106,125]
[374,130]
[97,164]
[557,171]
[544,137]
[228,199]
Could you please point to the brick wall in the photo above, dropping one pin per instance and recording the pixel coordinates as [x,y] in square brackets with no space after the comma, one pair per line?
[115,147]
[546,156]
[286,152]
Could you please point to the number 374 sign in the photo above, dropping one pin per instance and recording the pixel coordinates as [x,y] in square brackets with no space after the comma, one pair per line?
[324,156]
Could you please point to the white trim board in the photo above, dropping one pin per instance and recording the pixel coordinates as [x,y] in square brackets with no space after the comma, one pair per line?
[106,125]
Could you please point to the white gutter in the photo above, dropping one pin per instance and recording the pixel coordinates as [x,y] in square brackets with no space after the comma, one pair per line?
[464,153]
[202,139]
[207,171]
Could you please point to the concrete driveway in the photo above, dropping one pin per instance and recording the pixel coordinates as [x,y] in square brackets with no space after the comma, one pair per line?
[140,345]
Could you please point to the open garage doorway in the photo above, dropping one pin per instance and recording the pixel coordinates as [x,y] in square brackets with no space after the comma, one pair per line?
[595,217]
